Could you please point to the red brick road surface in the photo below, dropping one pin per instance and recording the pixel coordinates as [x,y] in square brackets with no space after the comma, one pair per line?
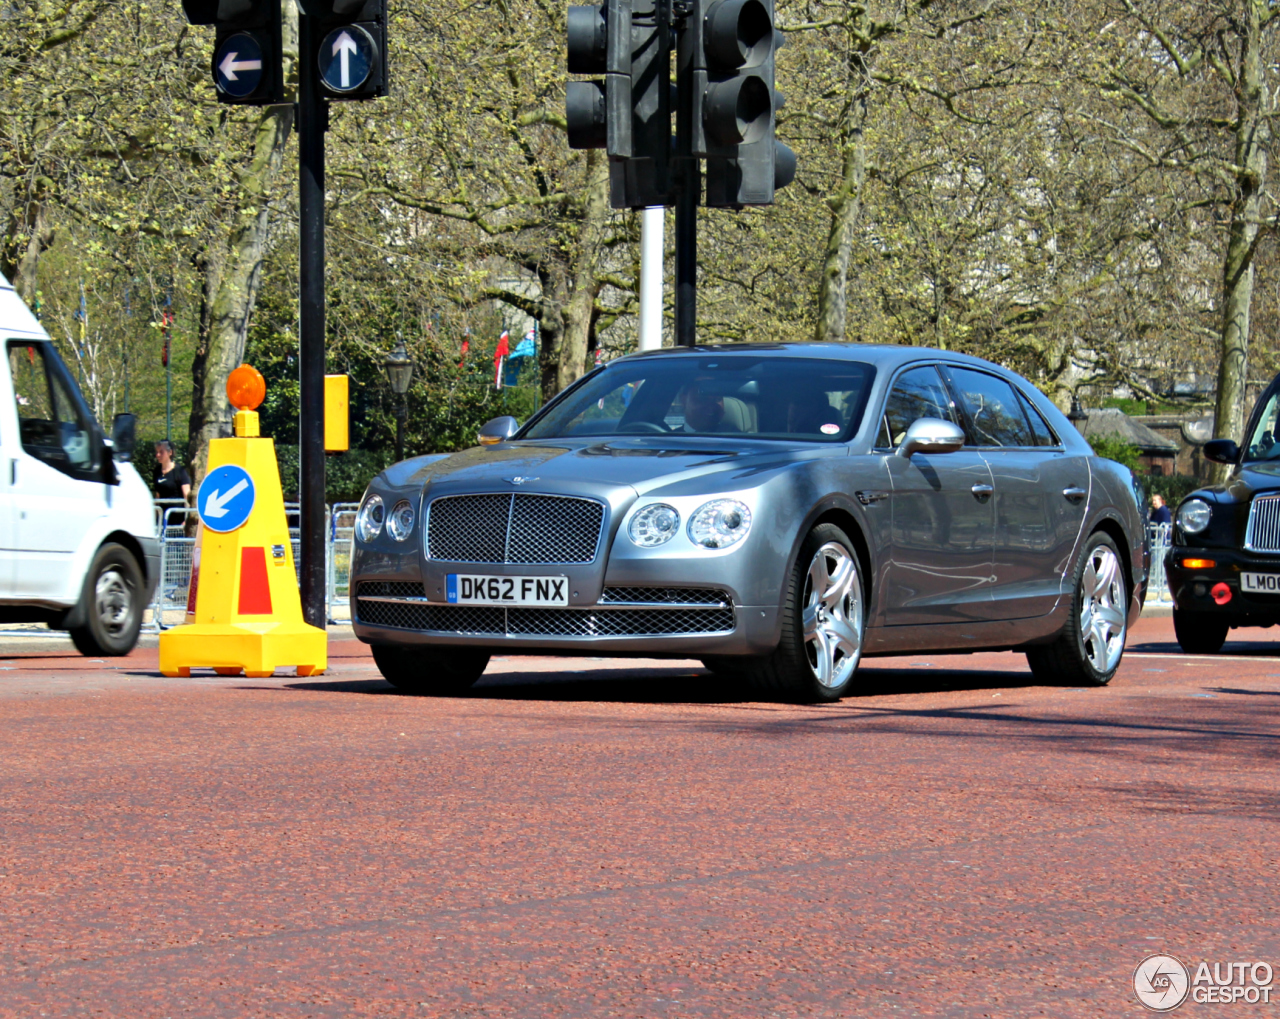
[612,838]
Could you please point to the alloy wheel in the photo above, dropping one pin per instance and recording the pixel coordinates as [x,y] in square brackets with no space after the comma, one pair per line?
[1102,609]
[832,618]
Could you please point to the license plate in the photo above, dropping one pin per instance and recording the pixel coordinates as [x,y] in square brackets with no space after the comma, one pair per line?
[1263,583]
[470,589]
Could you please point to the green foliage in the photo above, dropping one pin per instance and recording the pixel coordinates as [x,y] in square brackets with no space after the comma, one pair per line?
[345,474]
[1118,450]
[1174,487]
[1129,406]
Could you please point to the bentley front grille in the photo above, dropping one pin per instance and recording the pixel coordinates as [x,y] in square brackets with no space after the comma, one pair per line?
[1263,531]
[545,622]
[515,528]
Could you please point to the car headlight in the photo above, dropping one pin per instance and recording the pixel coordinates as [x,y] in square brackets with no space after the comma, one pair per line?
[400,523]
[1193,516]
[369,519]
[654,525]
[720,523]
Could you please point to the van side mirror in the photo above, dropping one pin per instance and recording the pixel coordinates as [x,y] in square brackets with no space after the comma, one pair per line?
[931,435]
[498,430]
[124,437]
[1221,451]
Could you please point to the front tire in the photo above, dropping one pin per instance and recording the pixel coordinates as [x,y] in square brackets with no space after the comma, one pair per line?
[430,672]
[823,623]
[1089,649]
[110,604]
[1199,633]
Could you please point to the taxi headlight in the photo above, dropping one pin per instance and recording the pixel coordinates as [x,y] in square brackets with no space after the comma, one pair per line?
[369,519]
[720,523]
[1193,516]
[654,525]
[400,523]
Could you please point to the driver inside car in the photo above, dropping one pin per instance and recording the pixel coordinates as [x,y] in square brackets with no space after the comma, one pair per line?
[704,409]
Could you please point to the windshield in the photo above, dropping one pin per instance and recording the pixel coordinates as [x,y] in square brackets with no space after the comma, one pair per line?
[764,397]
[1262,443]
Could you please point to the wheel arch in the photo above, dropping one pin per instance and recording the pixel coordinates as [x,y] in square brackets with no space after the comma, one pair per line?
[836,510]
[1113,529]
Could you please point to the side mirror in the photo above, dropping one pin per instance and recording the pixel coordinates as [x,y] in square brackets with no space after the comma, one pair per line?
[1221,451]
[931,435]
[498,430]
[124,438]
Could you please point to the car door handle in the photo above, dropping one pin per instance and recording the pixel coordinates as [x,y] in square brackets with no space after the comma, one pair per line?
[1073,493]
[981,492]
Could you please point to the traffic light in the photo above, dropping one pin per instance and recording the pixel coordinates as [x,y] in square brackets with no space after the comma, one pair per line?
[734,101]
[247,48]
[628,112]
[598,112]
[352,62]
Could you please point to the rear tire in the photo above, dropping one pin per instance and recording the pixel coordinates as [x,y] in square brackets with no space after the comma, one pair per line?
[430,671]
[110,604]
[1089,649]
[823,623]
[1200,633]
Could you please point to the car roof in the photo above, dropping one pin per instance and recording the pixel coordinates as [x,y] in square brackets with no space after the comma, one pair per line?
[881,355]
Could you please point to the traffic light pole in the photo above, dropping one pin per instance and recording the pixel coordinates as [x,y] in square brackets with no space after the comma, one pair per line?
[313,121]
[687,253]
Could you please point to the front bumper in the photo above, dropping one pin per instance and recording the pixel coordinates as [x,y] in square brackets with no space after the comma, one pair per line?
[1193,588]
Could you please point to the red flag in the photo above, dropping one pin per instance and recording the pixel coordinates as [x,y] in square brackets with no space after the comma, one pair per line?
[504,348]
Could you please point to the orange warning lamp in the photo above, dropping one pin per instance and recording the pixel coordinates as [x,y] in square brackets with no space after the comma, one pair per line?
[246,389]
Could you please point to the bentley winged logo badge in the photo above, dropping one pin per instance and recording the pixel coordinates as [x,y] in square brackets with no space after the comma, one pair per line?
[520,480]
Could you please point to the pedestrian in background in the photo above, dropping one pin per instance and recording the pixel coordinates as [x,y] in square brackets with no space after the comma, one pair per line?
[1159,511]
[170,481]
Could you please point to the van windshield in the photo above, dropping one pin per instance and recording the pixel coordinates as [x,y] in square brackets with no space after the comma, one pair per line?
[749,395]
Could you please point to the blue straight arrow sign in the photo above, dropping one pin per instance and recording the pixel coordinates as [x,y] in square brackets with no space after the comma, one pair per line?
[347,58]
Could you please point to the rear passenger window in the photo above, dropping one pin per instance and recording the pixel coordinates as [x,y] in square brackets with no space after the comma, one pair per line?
[1040,429]
[995,416]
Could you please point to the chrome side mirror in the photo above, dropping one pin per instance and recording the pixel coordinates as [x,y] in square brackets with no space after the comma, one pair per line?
[498,430]
[931,435]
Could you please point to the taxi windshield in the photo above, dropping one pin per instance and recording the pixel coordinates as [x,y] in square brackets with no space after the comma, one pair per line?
[1263,444]
[753,396]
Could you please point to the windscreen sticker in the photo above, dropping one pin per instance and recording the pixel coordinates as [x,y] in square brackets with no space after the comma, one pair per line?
[829,429]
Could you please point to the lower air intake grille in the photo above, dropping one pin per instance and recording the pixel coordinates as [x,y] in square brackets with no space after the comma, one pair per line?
[660,595]
[388,589]
[546,622]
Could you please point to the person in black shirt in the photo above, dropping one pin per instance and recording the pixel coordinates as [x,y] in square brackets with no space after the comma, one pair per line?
[170,480]
[1159,511]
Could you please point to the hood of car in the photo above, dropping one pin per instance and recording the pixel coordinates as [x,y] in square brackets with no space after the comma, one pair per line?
[639,463]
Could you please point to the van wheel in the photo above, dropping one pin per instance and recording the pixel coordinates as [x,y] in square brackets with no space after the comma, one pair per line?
[110,604]
[430,671]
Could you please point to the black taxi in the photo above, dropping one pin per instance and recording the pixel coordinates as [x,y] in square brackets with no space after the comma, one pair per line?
[1223,564]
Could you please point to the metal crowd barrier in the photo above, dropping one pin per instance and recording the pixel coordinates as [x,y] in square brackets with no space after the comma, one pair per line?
[1157,586]
[175,527]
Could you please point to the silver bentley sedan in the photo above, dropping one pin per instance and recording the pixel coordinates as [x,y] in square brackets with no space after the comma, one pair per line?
[776,511]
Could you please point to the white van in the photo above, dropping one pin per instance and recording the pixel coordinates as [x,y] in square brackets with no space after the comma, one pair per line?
[78,549]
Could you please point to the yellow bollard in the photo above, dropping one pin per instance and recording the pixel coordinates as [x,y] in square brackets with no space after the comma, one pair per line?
[243,611]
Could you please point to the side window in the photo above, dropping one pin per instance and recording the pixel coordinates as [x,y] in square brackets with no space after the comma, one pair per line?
[995,416]
[50,423]
[1040,429]
[917,393]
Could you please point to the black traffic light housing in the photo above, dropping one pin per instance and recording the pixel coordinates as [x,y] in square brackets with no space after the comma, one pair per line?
[352,36]
[247,52]
[732,46]
[628,112]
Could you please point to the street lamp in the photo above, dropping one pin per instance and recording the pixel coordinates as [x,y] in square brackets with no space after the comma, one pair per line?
[1077,415]
[399,369]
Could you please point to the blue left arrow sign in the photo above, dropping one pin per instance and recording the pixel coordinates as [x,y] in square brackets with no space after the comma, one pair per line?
[237,65]
[226,498]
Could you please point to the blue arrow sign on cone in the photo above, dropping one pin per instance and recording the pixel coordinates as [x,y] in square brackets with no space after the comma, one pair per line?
[226,498]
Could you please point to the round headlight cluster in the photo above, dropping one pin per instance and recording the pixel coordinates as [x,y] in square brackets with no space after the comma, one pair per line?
[369,519]
[1193,516]
[720,523]
[400,523]
[654,525]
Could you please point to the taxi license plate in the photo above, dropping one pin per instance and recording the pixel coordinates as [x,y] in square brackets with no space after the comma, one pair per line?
[1261,583]
[470,589]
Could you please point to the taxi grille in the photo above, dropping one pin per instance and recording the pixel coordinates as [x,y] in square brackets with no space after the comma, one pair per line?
[1263,531]
[555,622]
[516,528]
